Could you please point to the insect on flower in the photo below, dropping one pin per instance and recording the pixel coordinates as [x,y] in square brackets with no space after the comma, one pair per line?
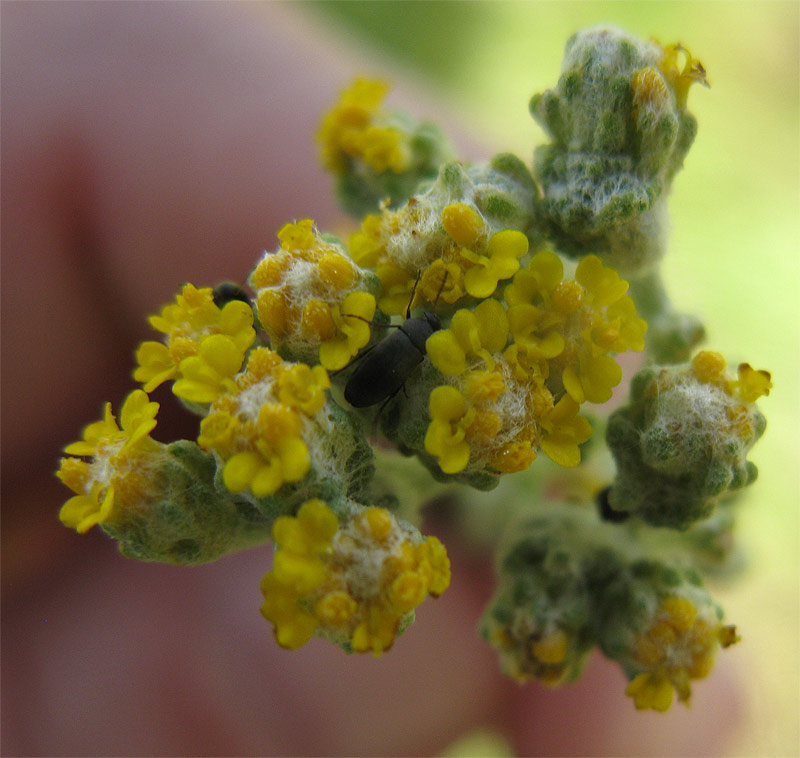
[227,292]
[385,367]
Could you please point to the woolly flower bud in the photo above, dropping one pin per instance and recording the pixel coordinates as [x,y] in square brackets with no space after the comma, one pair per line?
[462,238]
[312,299]
[355,582]
[663,628]
[620,131]
[159,501]
[538,619]
[376,154]
[682,441]
[279,439]
[187,324]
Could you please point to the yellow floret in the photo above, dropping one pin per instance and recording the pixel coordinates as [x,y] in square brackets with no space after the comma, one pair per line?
[273,312]
[563,431]
[302,387]
[752,384]
[501,262]
[352,322]
[681,77]
[210,373]
[552,648]
[443,281]
[298,236]
[463,223]
[481,332]
[451,417]
[317,321]
[348,130]
[336,271]
[650,691]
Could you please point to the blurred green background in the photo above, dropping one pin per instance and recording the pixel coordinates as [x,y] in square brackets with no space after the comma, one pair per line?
[735,243]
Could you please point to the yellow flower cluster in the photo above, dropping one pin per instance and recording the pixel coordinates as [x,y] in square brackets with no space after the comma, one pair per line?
[520,371]
[548,656]
[353,582]
[117,472]
[356,128]
[187,323]
[679,645]
[257,424]
[458,255]
[310,293]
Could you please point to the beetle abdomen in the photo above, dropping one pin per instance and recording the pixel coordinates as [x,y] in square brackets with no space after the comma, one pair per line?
[382,371]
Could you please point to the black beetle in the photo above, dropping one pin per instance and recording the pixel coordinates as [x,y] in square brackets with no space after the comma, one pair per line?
[384,368]
[227,292]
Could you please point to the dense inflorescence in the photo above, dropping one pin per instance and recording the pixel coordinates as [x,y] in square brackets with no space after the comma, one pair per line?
[489,303]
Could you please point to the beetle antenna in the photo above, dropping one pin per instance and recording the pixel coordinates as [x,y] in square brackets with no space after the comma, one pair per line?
[441,287]
[413,292]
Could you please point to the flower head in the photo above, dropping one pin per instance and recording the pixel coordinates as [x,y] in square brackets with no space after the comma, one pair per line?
[119,460]
[357,129]
[679,645]
[186,323]
[353,581]
[257,425]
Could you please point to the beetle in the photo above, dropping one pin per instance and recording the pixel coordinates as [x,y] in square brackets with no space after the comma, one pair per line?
[227,292]
[386,366]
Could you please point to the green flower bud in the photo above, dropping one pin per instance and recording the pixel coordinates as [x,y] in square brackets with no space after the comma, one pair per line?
[681,442]
[619,133]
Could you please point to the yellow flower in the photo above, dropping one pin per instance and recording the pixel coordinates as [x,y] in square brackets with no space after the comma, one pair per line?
[463,224]
[623,329]
[442,280]
[278,454]
[682,77]
[210,373]
[302,387]
[709,367]
[602,283]
[352,321]
[752,384]
[563,431]
[156,365]
[539,278]
[366,246]
[397,285]
[265,470]
[650,691]
[298,236]
[137,419]
[502,262]
[193,317]
[535,331]
[114,449]
[514,456]
[451,418]
[481,333]
[349,131]
[191,313]
[384,149]
[351,582]
[593,379]
[679,645]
